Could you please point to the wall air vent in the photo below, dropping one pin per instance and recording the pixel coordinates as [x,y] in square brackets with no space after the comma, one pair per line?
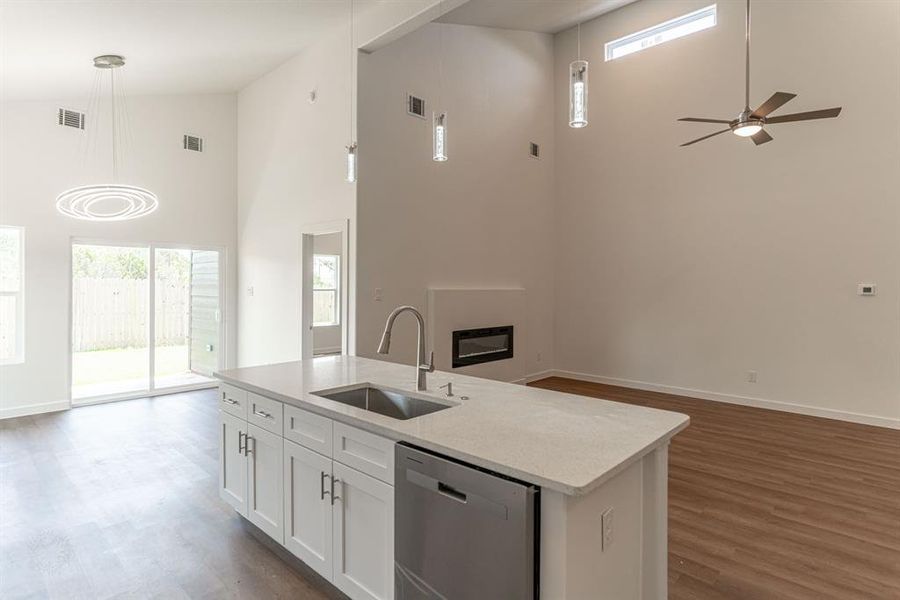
[71,118]
[415,106]
[193,142]
[534,150]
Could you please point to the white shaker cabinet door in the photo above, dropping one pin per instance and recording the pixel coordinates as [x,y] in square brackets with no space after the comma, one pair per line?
[307,507]
[232,462]
[265,494]
[363,535]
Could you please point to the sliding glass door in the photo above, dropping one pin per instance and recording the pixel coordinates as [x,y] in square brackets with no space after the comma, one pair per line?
[145,319]
[110,308]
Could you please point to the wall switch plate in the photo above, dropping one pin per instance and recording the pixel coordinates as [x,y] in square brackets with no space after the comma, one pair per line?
[866,289]
[751,376]
[379,294]
[606,523]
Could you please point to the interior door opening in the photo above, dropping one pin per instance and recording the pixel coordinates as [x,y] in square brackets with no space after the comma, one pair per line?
[324,289]
[145,320]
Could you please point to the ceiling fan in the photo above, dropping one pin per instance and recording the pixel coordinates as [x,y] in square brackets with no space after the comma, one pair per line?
[750,123]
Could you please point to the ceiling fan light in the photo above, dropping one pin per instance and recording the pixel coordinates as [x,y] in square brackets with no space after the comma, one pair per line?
[747,129]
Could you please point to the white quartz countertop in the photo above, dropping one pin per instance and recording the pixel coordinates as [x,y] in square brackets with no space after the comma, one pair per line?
[564,442]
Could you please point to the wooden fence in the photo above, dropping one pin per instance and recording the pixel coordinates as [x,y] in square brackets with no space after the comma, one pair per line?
[113,313]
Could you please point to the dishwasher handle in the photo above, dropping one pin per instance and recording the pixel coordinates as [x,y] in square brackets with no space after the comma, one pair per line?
[451,492]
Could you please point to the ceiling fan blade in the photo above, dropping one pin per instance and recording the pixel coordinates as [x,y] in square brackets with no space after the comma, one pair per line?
[705,137]
[761,137]
[777,100]
[698,120]
[826,113]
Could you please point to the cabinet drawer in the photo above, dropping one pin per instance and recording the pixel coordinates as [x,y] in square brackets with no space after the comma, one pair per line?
[264,412]
[233,400]
[364,451]
[308,429]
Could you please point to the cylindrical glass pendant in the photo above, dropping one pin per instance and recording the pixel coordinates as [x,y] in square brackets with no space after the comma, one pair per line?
[578,93]
[440,137]
[351,163]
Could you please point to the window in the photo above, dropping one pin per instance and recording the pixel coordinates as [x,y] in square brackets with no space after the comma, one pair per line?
[662,33]
[326,301]
[12,309]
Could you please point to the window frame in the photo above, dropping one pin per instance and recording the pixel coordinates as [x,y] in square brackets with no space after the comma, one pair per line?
[335,290]
[18,356]
[610,47]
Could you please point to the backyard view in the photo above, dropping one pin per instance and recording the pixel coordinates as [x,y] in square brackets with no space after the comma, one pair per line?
[111,307]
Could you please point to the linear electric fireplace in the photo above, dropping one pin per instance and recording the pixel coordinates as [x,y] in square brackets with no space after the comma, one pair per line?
[475,346]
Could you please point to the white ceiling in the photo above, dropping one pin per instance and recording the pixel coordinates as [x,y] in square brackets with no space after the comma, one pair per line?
[171,46]
[545,16]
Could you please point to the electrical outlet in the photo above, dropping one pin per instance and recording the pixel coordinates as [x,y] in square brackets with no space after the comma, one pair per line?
[751,376]
[540,357]
[250,291]
[379,294]
[606,523]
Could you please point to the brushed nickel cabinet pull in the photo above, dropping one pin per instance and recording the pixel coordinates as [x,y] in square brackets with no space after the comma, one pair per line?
[229,400]
[247,440]
[322,491]
[333,496]
[263,414]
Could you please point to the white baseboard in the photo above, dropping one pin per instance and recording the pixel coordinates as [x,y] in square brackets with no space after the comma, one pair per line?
[328,350]
[33,409]
[802,409]
[534,377]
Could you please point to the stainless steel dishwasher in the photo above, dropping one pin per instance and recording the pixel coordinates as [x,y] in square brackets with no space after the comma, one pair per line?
[462,533]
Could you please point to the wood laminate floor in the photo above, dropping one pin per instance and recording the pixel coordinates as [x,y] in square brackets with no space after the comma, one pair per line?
[120,501]
[775,506]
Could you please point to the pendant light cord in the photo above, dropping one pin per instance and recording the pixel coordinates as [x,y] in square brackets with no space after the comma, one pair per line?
[115,148]
[747,75]
[352,52]
[578,29]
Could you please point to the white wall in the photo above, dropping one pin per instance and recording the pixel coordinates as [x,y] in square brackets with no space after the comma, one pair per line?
[39,159]
[688,267]
[483,219]
[291,157]
[291,172]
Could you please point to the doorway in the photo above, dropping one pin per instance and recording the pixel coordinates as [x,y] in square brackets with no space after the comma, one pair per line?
[146,320]
[324,289]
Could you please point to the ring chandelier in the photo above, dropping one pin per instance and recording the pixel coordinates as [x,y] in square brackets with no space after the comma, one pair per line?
[108,201]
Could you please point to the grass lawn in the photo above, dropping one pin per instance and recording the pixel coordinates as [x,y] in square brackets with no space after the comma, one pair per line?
[126,363]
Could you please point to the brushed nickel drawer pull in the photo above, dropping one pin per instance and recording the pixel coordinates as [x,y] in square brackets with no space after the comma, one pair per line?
[263,414]
[229,401]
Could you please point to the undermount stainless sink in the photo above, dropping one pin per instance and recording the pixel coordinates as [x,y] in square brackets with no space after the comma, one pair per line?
[390,403]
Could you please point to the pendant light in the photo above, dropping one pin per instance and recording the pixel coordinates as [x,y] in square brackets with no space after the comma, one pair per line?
[108,201]
[352,146]
[578,86]
[439,119]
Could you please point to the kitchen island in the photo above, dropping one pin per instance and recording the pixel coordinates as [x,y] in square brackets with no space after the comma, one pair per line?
[601,468]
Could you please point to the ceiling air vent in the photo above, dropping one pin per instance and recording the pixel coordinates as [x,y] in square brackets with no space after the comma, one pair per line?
[415,106]
[193,142]
[71,118]
[534,150]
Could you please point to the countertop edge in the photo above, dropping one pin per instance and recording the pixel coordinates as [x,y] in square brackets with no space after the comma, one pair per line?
[568,490]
